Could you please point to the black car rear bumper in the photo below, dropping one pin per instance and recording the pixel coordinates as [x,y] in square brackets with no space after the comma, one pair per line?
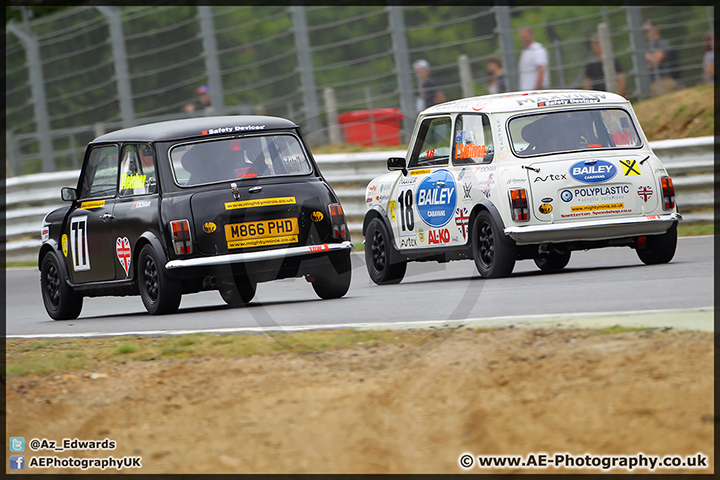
[249,257]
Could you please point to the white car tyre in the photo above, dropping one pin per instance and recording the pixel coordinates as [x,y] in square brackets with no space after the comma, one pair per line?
[377,256]
[494,253]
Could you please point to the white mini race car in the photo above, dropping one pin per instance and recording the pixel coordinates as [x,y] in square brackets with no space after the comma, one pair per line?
[526,175]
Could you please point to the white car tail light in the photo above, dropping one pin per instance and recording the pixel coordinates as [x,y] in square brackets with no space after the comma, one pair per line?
[519,204]
[668,193]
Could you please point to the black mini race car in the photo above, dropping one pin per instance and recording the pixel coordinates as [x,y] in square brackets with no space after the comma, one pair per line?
[182,206]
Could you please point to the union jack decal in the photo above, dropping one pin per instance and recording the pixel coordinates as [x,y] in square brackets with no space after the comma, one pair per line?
[645,193]
[462,218]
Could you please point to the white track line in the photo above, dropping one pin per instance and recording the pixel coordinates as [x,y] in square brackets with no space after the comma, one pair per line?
[554,318]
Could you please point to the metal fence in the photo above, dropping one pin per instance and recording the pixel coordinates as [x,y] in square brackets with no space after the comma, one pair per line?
[87,70]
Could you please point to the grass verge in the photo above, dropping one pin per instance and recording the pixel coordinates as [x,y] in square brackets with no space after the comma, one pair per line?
[57,356]
[695,229]
[43,357]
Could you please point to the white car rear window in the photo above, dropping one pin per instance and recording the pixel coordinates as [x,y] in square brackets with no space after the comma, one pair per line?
[574,130]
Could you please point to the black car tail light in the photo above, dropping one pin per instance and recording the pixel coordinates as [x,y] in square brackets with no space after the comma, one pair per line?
[668,193]
[519,204]
[339,225]
[181,236]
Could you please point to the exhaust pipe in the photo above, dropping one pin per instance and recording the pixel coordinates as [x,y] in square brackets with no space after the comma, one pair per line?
[210,282]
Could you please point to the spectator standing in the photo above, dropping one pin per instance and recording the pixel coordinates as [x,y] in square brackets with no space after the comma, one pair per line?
[709,59]
[594,76]
[533,65]
[496,83]
[202,103]
[428,92]
[660,55]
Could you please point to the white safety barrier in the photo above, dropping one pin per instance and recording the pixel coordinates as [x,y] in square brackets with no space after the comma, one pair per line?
[689,161]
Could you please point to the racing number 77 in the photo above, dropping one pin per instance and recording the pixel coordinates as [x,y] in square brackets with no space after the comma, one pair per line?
[405,201]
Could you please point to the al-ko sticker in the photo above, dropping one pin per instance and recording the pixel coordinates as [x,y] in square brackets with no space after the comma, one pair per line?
[593,171]
[439,237]
[436,198]
[122,249]
[79,243]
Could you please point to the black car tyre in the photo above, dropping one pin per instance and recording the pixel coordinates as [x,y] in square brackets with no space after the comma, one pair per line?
[494,253]
[659,248]
[61,301]
[239,294]
[160,293]
[333,281]
[553,261]
[377,255]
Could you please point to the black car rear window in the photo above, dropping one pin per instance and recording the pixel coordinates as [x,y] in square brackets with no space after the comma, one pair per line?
[238,159]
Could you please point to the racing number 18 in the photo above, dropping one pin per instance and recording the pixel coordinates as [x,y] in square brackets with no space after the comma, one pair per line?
[405,200]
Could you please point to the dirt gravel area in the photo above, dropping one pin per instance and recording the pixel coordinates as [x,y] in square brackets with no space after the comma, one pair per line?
[389,408]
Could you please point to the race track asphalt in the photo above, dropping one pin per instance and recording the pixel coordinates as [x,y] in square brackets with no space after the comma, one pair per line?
[604,282]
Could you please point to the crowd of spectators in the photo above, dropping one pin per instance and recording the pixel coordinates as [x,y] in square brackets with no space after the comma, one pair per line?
[534,72]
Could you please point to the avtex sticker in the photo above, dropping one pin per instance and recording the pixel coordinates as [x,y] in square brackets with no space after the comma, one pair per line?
[263,202]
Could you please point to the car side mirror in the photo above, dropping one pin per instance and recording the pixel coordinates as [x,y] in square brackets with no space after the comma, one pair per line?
[397,163]
[68,194]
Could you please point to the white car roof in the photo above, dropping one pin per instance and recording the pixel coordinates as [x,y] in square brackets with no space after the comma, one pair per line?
[527,100]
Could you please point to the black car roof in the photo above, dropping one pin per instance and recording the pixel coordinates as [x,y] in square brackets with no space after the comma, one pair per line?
[196,127]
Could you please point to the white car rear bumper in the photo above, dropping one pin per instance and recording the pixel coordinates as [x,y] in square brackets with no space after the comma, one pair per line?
[592,230]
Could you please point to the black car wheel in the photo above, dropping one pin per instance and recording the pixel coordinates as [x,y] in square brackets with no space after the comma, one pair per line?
[160,294]
[554,260]
[333,281]
[494,253]
[61,301]
[240,293]
[659,248]
[377,255]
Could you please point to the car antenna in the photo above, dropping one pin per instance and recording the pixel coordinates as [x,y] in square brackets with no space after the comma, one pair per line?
[644,159]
